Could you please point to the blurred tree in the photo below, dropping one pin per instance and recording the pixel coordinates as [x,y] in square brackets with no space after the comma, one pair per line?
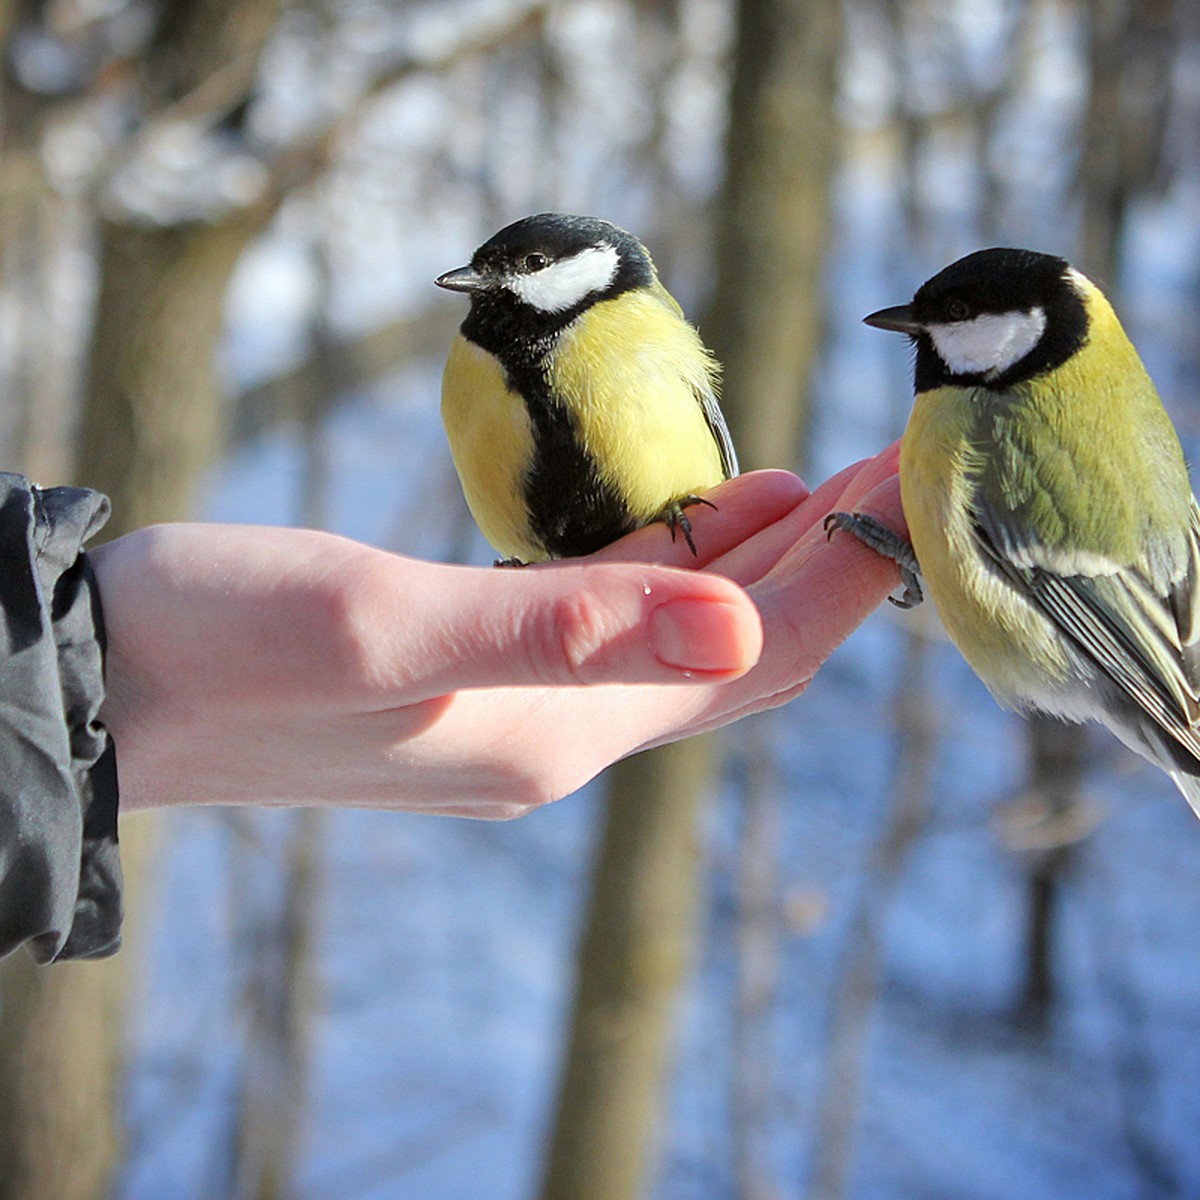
[59,1060]
[278,990]
[39,382]
[856,996]
[635,952]
[149,426]
[764,323]
[1131,48]
[773,222]
[151,413]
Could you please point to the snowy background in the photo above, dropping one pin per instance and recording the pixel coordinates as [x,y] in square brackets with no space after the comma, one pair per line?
[444,948]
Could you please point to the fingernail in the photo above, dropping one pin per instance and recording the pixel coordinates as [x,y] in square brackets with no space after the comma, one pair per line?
[697,635]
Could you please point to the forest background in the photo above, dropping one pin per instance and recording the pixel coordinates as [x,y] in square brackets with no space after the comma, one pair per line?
[887,942]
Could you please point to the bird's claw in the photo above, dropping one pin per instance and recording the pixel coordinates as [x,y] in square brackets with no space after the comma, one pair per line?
[887,542]
[676,519]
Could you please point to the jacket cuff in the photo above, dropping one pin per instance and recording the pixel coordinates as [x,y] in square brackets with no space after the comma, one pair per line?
[60,873]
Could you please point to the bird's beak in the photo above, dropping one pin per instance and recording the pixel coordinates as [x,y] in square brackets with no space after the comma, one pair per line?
[461,279]
[900,318]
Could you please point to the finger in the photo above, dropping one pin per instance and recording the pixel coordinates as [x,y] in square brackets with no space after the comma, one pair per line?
[829,592]
[740,508]
[759,555]
[813,596]
[563,624]
[812,592]
[820,592]
[847,488]
[883,503]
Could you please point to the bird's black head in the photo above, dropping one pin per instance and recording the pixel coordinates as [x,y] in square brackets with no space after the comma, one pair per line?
[992,319]
[538,274]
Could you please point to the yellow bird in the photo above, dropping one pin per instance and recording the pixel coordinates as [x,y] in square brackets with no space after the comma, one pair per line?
[578,401]
[1049,505]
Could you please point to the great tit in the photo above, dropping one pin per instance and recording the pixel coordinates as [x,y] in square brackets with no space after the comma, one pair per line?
[578,401]
[1049,505]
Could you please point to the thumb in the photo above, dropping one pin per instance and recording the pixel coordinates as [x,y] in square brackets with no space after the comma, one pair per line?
[573,624]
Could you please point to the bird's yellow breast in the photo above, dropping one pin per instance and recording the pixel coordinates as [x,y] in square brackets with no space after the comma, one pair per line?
[1083,465]
[491,439]
[631,370]
[995,634]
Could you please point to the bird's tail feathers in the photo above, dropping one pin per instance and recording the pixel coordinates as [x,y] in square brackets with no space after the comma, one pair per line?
[1189,785]
[1149,740]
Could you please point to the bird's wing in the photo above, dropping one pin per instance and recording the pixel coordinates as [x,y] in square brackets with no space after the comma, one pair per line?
[705,390]
[716,422]
[1142,635]
[1185,601]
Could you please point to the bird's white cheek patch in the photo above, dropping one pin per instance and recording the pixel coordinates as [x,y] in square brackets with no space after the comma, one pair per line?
[565,283]
[989,344]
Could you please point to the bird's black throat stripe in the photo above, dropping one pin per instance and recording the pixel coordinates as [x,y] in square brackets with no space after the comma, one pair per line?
[572,511]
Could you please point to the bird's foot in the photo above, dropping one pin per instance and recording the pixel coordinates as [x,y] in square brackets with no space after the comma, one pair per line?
[674,517]
[508,562]
[890,544]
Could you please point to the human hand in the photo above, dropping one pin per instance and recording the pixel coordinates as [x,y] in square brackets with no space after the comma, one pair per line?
[812,590]
[279,666]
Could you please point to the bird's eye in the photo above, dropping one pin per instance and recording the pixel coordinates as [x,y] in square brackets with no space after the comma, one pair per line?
[535,261]
[957,310]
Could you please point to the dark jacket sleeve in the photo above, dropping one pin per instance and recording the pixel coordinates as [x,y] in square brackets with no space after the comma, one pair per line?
[60,875]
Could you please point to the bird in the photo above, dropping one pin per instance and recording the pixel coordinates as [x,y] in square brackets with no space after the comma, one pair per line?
[578,401]
[1050,513]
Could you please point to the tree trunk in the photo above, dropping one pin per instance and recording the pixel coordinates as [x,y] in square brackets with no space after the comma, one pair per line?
[773,224]
[149,427]
[151,417]
[276,1006]
[278,972]
[861,972]
[1057,764]
[764,324]
[58,1139]
[634,956]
